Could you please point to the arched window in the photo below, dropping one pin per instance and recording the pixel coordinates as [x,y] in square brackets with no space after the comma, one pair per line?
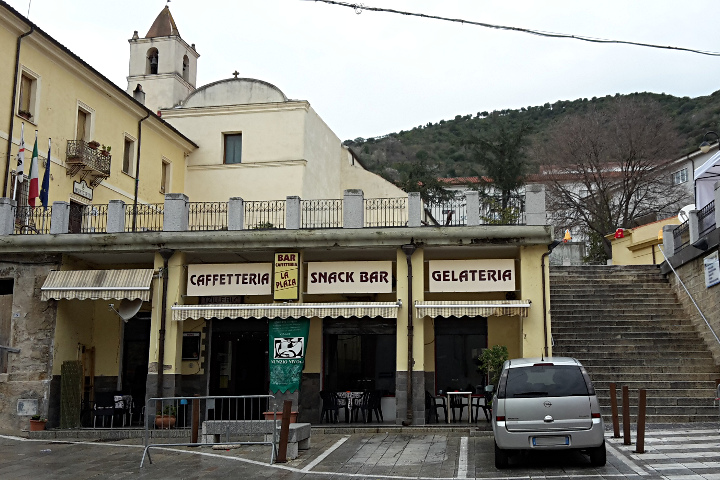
[186,68]
[152,62]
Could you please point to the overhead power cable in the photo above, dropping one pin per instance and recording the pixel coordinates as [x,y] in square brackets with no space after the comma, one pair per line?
[359,8]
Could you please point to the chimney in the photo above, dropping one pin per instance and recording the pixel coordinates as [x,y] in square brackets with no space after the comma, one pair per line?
[138,94]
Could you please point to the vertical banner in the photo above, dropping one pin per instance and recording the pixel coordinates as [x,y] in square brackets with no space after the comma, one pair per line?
[286,276]
[288,341]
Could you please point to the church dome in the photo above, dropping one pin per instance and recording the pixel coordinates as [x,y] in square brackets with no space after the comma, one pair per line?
[234,91]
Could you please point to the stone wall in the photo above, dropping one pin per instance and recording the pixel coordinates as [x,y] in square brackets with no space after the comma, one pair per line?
[692,273]
[29,372]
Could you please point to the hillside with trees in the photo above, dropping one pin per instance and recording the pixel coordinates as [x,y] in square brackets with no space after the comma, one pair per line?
[448,149]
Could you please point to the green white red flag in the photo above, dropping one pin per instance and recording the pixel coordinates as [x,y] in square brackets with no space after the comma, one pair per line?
[34,190]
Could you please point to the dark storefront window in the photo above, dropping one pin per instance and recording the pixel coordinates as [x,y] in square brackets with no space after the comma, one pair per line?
[360,355]
[459,342]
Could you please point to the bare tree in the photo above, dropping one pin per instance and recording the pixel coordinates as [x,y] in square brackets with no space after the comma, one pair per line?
[607,167]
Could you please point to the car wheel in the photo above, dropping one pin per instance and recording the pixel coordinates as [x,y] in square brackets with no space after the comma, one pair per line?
[597,455]
[501,458]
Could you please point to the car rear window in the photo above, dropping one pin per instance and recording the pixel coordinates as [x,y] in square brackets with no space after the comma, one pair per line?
[545,381]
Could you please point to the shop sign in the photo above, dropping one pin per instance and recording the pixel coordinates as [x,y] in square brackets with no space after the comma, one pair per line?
[82,189]
[229,279]
[487,275]
[286,276]
[350,277]
[288,344]
[712,270]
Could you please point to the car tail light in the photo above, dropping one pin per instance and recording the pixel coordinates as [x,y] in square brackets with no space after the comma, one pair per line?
[500,418]
[596,415]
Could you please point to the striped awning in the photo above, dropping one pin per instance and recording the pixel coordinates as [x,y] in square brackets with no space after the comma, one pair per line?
[98,284]
[286,310]
[490,308]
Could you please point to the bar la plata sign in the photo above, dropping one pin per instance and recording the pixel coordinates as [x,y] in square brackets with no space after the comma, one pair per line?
[486,275]
[229,279]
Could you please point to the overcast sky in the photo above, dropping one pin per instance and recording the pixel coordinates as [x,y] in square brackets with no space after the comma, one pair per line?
[377,73]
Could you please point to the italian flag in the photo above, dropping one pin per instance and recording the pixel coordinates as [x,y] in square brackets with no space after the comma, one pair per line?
[34,190]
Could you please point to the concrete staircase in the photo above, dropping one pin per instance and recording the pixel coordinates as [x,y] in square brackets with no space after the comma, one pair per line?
[626,326]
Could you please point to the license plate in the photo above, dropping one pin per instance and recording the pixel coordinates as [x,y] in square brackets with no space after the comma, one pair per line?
[550,440]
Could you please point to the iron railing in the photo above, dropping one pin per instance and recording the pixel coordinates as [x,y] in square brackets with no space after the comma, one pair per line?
[681,235]
[88,219]
[447,213]
[492,211]
[264,215]
[321,213]
[32,220]
[80,156]
[706,219]
[208,216]
[148,218]
[386,212]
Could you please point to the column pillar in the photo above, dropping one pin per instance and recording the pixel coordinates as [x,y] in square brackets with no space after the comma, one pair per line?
[293,213]
[60,218]
[353,209]
[236,213]
[176,212]
[116,216]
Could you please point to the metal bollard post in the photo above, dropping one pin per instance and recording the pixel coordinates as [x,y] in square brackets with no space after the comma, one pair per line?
[614,411]
[284,431]
[640,446]
[195,420]
[626,415]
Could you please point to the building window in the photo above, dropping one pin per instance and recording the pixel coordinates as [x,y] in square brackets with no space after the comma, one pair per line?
[165,177]
[681,176]
[128,156]
[233,148]
[27,97]
[186,68]
[82,124]
[151,67]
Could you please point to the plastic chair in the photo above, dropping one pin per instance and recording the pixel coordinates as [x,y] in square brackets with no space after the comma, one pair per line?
[104,407]
[330,407]
[372,404]
[486,405]
[431,407]
[360,405]
[457,401]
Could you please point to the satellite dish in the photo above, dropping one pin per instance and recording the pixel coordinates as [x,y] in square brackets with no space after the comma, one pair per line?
[684,213]
[128,308]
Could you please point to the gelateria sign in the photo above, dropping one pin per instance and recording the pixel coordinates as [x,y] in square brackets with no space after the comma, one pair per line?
[487,275]
[229,279]
[349,277]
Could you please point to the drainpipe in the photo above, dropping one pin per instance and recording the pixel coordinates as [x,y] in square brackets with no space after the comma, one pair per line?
[12,108]
[408,250]
[551,247]
[137,172]
[166,254]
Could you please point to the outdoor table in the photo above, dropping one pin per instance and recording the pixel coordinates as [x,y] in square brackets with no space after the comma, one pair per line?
[469,397]
[348,398]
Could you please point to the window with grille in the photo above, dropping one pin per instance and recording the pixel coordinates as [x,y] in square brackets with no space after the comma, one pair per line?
[233,148]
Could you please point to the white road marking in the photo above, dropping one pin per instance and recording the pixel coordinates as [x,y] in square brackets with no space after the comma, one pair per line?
[463,458]
[325,454]
[637,469]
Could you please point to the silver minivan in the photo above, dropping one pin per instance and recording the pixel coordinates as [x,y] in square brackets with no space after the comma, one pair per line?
[546,404]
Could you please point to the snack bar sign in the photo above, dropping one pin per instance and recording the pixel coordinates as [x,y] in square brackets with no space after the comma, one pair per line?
[229,279]
[349,277]
[487,275]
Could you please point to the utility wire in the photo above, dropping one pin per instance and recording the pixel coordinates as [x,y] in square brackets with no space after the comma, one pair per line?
[359,7]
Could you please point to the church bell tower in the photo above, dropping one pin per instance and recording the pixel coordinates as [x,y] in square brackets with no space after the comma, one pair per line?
[163,68]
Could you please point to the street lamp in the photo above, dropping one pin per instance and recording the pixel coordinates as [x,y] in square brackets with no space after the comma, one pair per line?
[705,145]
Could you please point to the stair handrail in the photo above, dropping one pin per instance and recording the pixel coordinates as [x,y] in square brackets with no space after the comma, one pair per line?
[690,295]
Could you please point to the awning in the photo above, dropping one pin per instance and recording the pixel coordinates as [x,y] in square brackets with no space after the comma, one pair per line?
[705,177]
[490,308]
[285,310]
[98,284]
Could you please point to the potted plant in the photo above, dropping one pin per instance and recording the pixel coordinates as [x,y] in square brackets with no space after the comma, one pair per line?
[24,114]
[37,423]
[105,150]
[491,362]
[93,144]
[166,418]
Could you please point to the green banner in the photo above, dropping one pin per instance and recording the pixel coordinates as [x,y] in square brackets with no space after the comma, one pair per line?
[288,341]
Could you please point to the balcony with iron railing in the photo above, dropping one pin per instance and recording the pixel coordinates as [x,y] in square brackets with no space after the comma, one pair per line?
[352,211]
[93,163]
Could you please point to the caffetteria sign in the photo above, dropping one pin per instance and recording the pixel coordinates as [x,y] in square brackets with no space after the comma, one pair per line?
[229,279]
[487,275]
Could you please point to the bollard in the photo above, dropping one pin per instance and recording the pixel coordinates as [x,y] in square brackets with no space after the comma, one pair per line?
[614,410]
[284,431]
[640,446]
[195,420]
[626,415]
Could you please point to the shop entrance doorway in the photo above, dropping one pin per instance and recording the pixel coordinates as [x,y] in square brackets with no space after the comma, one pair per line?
[136,348]
[458,344]
[239,363]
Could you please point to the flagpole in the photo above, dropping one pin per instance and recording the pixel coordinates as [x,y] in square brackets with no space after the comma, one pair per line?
[45,194]
[21,159]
